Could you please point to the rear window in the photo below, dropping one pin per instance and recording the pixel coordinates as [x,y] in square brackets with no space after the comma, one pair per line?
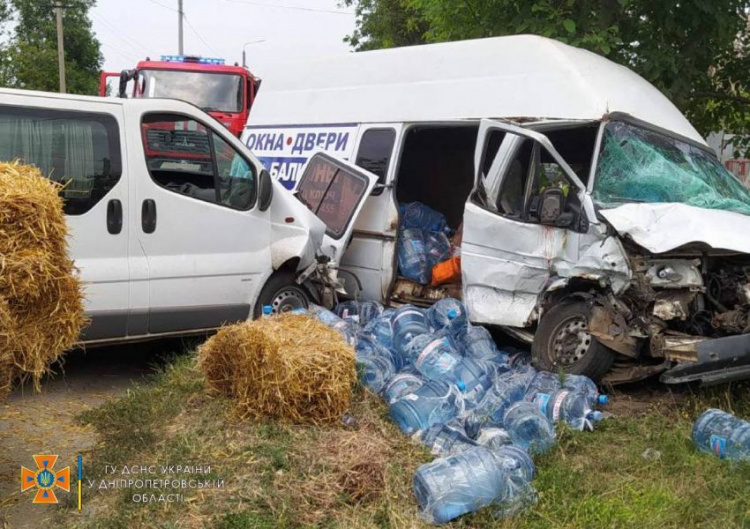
[80,150]
[332,192]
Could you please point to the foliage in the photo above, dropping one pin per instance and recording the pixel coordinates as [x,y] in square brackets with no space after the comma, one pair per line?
[695,51]
[29,60]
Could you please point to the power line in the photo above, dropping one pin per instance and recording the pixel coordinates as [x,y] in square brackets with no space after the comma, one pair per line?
[296,8]
[113,29]
[185,18]
[162,5]
[119,51]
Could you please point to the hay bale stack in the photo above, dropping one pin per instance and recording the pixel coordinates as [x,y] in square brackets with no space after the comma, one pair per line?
[41,302]
[288,367]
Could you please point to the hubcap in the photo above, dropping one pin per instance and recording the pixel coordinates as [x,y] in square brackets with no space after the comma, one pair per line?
[287,300]
[572,340]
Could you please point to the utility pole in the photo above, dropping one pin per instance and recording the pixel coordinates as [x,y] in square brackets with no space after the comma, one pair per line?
[180,14]
[60,45]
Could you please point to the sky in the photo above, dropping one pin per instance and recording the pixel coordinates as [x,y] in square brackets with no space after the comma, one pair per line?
[131,30]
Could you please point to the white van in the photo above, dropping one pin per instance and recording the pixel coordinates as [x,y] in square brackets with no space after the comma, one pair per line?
[597,224]
[175,226]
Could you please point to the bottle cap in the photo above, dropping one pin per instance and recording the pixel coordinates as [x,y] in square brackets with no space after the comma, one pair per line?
[460,385]
[267,309]
[596,416]
[603,399]
[452,314]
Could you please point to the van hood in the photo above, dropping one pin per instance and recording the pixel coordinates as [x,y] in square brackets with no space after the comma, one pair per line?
[663,227]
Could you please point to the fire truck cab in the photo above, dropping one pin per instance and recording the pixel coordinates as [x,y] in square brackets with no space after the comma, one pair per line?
[225,92]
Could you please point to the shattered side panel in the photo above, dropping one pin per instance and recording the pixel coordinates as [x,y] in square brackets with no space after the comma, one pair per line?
[601,258]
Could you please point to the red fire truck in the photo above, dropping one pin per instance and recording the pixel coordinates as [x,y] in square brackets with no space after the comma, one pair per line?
[225,92]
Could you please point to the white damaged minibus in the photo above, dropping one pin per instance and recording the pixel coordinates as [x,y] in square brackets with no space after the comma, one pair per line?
[597,224]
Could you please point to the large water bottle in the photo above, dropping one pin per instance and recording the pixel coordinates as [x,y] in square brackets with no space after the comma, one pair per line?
[380,330]
[498,398]
[359,312]
[452,486]
[438,248]
[573,408]
[407,322]
[367,347]
[518,358]
[375,371]
[445,312]
[434,402]
[418,215]
[443,440]
[723,435]
[473,378]
[412,256]
[583,384]
[543,382]
[528,427]
[329,319]
[434,357]
[400,385]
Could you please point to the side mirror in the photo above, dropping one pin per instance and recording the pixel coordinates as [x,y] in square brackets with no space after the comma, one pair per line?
[551,204]
[265,191]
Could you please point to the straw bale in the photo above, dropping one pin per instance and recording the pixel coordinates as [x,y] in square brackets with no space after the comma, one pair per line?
[288,367]
[41,300]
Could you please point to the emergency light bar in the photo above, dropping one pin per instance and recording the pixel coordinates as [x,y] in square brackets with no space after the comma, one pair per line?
[188,58]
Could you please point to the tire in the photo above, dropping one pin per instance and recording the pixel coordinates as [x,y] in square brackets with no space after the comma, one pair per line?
[282,293]
[561,342]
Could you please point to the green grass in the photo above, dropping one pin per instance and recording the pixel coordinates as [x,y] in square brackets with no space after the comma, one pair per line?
[278,475]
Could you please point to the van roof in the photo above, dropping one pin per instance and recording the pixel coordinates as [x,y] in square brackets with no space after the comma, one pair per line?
[522,76]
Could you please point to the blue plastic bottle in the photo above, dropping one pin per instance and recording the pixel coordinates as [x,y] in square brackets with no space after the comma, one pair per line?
[543,382]
[573,408]
[328,318]
[438,248]
[452,486]
[442,440]
[434,402]
[412,256]
[528,427]
[359,312]
[267,311]
[493,437]
[440,316]
[400,385]
[418,215]
[434,357]
[407,322]
[380,330]
[367,347]
[723,435]
[374,371]
[498,398]
[473,378]
[583,384]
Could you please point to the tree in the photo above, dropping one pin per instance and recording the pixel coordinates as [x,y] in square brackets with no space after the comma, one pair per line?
[385,24]
[693,50]
[31,56]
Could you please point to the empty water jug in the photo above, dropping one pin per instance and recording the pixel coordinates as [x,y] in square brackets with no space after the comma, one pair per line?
[518,358]
[407,322]
[583,384]
[418,215]
[498,398]
[367,347]
[412,256]
[528,427]
[334,322]
[434,357]
[400,385]
[445,311]
[359,312]
[723,435]
[452,486]
[573,408]
[375,371]
[478,343]
[380,330]
[434,402]
[543,382]
[442,440]
[473,379]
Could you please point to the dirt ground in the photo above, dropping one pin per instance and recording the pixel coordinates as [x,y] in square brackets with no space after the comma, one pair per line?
[44,423]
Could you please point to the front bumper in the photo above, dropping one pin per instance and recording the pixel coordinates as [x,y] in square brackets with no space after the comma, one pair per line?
[718,361]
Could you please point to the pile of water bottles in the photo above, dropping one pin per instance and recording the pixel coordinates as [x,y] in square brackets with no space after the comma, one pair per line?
[423,241]
[483,411]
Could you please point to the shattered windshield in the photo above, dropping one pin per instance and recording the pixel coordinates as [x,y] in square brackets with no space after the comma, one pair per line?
[638,165]
[209,91]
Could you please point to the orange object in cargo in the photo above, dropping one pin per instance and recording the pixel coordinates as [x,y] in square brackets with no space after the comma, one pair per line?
[446,272]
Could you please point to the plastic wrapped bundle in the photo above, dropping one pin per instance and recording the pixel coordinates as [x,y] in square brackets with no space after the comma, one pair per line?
[419,216]
[412,256]
[443,440]
[434,402]
[400,385]
[359,312]
[528,427]
[446,312]
[438,248]
[330,319]
[380,329]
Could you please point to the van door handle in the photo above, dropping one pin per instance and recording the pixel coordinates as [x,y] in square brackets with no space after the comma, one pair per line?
[148,216]
[114,216]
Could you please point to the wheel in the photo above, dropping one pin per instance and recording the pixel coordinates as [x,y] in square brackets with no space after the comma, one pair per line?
[562,341]
[282,293]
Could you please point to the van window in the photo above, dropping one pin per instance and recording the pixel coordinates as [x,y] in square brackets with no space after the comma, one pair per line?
[80,150]
[375,151]
[186,157]
[510,200]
